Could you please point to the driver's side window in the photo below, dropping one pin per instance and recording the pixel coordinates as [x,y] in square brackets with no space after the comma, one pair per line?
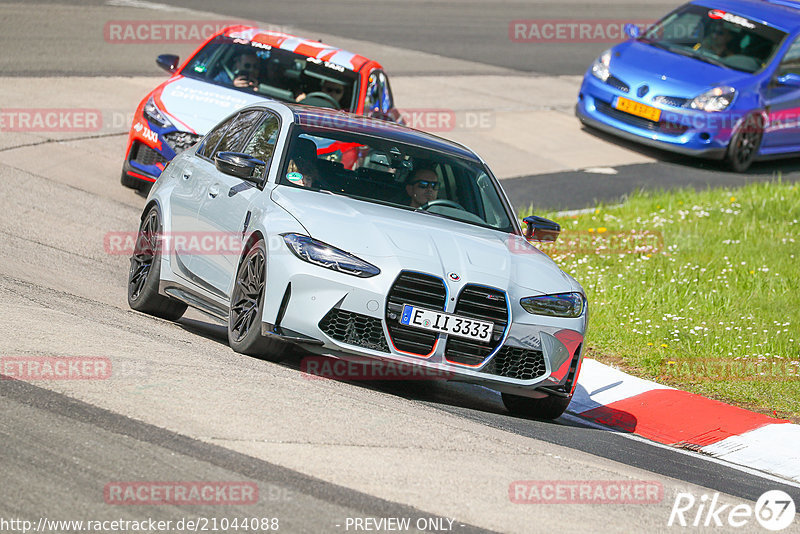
[791,60]
[262,143]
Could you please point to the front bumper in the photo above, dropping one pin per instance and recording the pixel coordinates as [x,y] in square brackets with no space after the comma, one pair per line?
[341,319]
[680,130]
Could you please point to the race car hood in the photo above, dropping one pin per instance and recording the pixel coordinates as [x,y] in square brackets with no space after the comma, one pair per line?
[667,73]
[197,106]
[424,242]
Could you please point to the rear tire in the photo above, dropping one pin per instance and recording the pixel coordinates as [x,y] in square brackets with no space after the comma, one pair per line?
[144,275]
[744,143]
[551,407]
[244,317]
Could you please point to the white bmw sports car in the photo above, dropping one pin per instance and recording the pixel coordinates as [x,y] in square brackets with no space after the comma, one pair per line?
[357,238]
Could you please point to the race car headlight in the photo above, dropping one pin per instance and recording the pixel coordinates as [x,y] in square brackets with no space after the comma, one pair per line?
[560,305]
[717,99]
[153,114]
[600,66]
[324,255]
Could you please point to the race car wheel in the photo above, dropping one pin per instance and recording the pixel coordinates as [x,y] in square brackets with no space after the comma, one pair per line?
[745,143]
[550,407]
[244,317]
[145,272]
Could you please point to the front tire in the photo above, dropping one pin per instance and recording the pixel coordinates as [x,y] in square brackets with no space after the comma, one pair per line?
[144,275]
[244,317]
[745,143]
[550,407]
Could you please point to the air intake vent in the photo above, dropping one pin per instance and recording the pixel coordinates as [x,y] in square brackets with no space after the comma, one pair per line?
[420,290]
[354,329]
[482,303]
[518,363]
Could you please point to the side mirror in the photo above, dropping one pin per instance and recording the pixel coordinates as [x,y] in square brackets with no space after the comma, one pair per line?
[241,166]
[790,78]
[168,62]
[632,30]
[541,229]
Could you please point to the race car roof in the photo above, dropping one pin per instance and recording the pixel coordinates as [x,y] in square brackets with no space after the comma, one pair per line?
[298,45]
[341,120]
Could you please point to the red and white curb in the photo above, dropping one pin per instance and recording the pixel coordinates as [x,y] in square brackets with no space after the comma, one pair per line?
[680,419]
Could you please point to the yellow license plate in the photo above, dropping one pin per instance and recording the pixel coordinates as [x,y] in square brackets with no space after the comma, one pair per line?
[638,109]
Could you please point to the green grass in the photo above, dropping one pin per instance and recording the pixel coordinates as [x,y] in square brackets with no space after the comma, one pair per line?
[708,302]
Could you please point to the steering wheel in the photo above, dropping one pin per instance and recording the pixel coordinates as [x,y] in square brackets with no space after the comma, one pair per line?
[324,96]
[442,202]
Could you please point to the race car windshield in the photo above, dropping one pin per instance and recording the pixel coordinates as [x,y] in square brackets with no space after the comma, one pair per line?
[717,37]
[274,73]
[386,172]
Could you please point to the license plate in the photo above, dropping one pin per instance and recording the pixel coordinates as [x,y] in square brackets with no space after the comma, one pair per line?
[446,323]
[638,109]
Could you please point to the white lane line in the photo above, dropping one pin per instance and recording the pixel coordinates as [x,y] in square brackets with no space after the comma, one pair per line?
[600,170]
[143,4]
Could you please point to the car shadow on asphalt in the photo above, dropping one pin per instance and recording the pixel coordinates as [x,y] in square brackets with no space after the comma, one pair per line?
[759,168]
[472,401]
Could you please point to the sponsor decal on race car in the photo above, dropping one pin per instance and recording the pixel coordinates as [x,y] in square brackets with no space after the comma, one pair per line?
[730,17]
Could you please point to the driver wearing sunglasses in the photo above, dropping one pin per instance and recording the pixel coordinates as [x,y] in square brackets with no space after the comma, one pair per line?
[423,187]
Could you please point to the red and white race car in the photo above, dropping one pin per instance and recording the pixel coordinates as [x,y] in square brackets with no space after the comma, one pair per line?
[238,66]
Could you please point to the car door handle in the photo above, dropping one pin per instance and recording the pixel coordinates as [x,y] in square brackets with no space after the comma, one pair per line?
[187,173]
[213,191]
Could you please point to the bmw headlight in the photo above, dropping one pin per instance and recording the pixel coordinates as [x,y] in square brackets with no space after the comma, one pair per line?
[717,99]
[324,255]
[152,113]
[559,305]
[600,66]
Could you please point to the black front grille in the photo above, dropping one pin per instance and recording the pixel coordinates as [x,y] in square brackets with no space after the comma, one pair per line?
[484,304]
[674,101]
[415,289]
[354,329]
[180,141]
[518,363]
[669,128]
[617,84]
[144,155]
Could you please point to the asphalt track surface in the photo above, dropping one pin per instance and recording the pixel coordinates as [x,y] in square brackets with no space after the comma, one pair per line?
[185,407]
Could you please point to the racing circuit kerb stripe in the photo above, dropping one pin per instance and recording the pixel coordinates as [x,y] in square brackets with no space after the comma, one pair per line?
[675,417]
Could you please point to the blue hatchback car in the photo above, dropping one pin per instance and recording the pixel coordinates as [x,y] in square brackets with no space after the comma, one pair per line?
[718,79]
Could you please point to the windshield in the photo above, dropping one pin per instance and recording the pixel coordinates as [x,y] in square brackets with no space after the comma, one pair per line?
[715,36]
[275,73]
[386,172]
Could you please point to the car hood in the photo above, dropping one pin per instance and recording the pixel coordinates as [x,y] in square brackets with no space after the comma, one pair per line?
[384,235]
[198,106]
[667,73]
